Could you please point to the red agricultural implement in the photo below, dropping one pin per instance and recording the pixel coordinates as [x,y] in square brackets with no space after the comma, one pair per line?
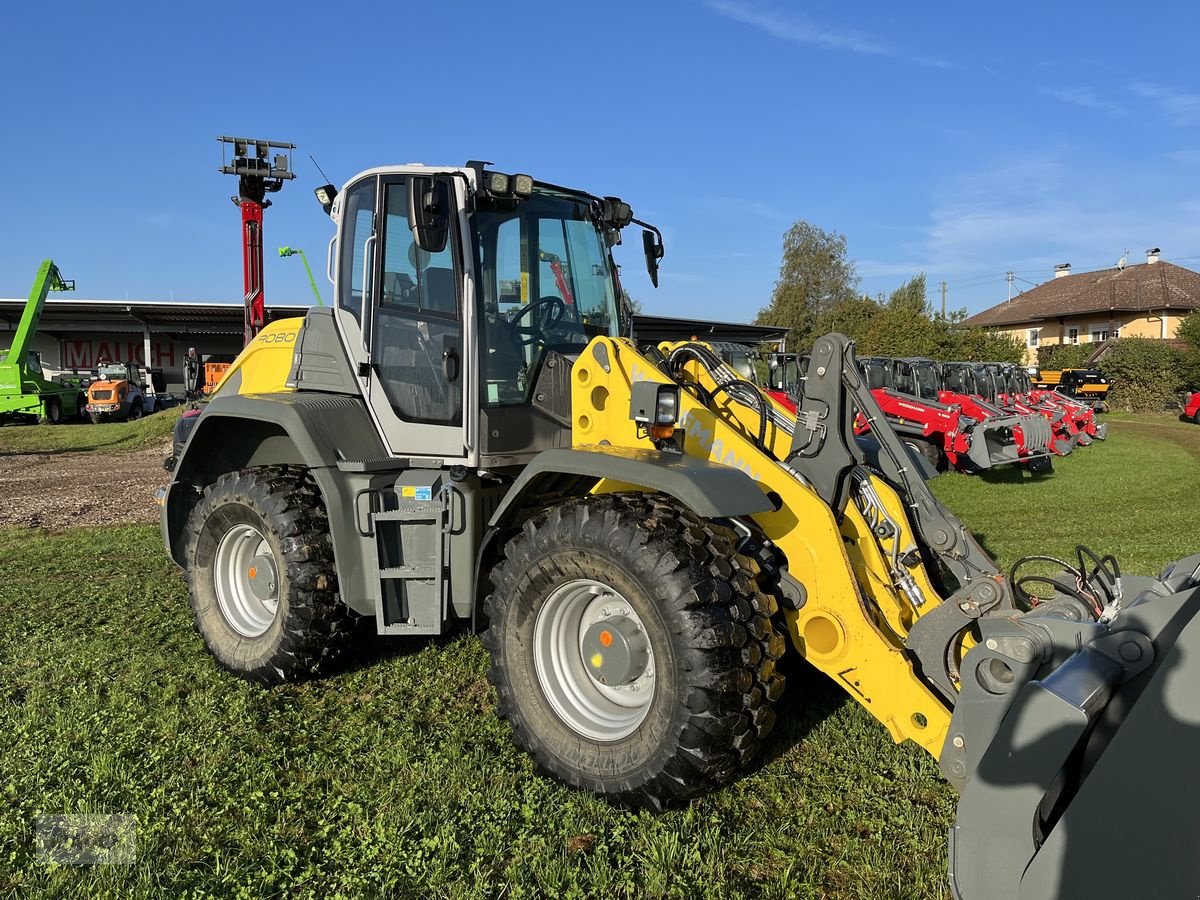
[1191,407]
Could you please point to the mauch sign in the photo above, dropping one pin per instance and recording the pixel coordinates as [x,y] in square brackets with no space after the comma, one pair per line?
[90,353]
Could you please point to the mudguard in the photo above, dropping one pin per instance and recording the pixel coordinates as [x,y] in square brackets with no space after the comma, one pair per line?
[711,490]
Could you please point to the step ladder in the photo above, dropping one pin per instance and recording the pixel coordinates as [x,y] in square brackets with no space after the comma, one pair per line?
[410,565]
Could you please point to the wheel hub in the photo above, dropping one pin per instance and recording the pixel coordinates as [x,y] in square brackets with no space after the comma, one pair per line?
[246,579]
[593,660]
[616,650]
[261,577]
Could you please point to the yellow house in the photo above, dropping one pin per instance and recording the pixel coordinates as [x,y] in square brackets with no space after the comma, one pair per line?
[1146,300]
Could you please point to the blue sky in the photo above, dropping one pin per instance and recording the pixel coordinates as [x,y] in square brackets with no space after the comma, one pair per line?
[960,140]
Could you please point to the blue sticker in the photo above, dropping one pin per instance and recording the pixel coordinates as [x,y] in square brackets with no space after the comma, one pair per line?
[424,493]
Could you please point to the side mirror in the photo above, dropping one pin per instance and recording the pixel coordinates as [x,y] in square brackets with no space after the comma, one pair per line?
[652,245]
[429,211]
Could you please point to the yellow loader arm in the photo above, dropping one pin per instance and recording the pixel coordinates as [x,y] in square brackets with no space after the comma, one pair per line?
[856,608]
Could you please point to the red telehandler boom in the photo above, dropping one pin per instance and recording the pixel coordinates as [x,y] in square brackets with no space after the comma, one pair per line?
[258,175]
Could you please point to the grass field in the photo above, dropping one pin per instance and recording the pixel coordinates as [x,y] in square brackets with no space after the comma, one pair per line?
[394,777]
[76,436]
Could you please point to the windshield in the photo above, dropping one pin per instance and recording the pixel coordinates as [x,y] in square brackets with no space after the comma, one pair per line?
[985,385]
[545,282]
[112,373]
[958,380]
[785,375]
[927,382]
[875,372]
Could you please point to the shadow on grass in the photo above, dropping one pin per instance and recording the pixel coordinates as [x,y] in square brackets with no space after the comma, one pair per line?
[809,699]
[1014,474]
[368,648]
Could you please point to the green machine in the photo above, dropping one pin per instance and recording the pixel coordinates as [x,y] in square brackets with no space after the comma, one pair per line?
[24,389]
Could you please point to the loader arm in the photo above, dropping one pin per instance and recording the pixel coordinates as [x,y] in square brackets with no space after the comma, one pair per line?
[851,619]
[1053,703]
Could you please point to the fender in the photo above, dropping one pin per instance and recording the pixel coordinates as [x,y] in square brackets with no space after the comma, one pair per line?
[711,490]
[331,435]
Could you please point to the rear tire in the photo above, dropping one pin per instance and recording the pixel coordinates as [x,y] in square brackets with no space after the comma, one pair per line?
[266,523]
[51,412]
[135,411]
[1196,417]
[705,634]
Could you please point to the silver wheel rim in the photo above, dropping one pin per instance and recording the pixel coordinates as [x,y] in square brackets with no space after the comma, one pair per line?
[233,570]
[594,710]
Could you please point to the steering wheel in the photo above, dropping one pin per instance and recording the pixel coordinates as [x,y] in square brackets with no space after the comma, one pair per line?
[550,311]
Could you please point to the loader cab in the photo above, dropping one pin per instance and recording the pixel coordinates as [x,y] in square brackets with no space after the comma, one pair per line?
[784,373]
[926,377]
[463,342]
[987,382]
[877,372]
[959,378]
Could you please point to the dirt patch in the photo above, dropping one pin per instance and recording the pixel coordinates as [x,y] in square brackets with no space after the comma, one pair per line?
[62,489]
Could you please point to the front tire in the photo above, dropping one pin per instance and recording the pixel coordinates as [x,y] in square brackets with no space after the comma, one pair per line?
[931,453]
[261,575]
[632,649]
[52,412]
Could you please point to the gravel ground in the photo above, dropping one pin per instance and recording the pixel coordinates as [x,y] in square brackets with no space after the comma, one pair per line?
[62,489]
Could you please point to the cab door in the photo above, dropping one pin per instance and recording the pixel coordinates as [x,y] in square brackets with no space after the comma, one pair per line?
[401,314]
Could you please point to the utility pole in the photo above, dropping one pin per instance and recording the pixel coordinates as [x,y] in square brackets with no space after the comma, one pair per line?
[1010,278]
[943,287]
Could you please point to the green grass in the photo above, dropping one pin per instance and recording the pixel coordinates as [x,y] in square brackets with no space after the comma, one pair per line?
[394,778]
[78,437]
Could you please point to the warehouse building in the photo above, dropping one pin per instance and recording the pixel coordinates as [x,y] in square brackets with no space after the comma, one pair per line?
[77,335]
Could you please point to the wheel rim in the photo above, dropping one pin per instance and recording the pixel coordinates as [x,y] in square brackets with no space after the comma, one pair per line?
[565,657]
[246,580]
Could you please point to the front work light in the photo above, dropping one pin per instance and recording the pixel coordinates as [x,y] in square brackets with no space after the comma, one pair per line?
[498,184]
[656,407]
[522,186]
[325,195]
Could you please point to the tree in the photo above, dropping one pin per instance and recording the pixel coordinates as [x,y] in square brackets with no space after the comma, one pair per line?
[1189,330]
[910,297]
[852,317]
[815,275]
[1064,356]
[1145,374]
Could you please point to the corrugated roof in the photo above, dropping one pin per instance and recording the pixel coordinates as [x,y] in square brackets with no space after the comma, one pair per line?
[60,313]
[653,329]
[161,315]
[1147,287]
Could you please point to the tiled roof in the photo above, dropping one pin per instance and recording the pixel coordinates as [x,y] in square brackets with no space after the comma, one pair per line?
[1145,287]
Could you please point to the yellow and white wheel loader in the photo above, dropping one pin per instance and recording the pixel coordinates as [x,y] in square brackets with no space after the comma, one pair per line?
[469,435]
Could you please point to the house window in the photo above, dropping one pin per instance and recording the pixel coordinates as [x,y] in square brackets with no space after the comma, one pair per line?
[1032,336]
[1116,332]
[1099,334]
[1072,335]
